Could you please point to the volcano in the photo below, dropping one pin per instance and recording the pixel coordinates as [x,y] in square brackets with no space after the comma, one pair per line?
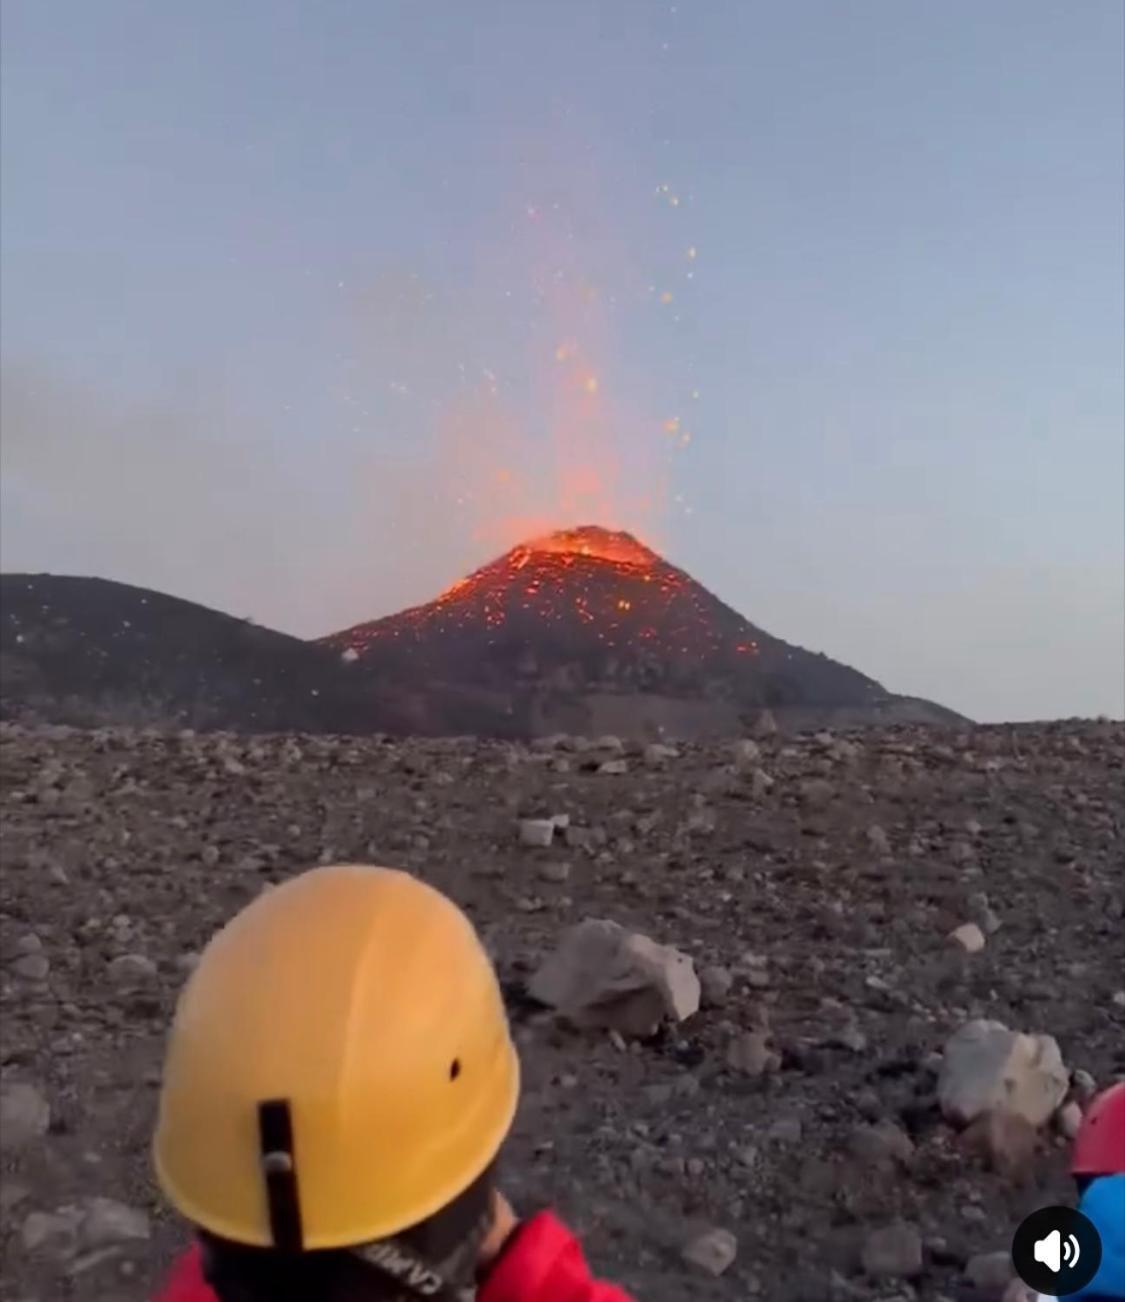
[588,629]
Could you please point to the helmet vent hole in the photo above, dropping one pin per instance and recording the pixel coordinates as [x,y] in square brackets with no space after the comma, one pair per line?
[455,1069]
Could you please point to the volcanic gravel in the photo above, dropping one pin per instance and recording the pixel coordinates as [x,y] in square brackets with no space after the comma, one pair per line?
[792,1122]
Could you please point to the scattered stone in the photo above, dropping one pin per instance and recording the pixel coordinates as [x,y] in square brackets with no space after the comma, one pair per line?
[614,768]
[987,1067]
[537,832]
[25,1115]
[1068,1119]
[32,967]
[132,969]
[56,1232]
[969,936]
[108,1221]
[1085,1086]
[745,752]
[657,753]
[603,975]
[555,872]
[982,914]
[893,1252]
[990,1272]
[715,984]
[713,1251]
[751,1055]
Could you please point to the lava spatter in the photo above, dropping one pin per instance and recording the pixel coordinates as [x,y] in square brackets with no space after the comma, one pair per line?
[583,596]
[592,609]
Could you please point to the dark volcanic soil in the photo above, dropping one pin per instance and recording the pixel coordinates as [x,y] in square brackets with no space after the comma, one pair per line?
[827,897]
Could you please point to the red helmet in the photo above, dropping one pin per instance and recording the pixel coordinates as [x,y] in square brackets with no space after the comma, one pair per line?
[1099,1147]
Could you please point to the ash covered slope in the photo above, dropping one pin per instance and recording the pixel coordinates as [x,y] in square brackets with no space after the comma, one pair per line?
[591,612]
[89,651]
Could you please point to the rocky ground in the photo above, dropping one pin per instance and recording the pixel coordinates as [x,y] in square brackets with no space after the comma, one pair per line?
[795,1121]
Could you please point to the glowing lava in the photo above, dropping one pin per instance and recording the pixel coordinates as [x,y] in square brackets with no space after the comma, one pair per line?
[591,540]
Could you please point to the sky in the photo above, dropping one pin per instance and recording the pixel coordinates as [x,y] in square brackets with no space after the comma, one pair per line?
[310,308]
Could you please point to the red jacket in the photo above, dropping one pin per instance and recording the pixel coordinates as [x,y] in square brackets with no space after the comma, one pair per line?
[543,1263]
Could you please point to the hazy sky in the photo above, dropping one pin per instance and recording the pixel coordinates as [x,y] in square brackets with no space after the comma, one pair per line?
[308,308]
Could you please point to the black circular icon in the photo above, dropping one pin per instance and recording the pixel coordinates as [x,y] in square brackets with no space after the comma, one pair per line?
[1057,1251]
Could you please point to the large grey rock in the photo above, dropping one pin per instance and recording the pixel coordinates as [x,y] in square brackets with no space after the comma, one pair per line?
[603,975]
[987,1067]
[24,1115]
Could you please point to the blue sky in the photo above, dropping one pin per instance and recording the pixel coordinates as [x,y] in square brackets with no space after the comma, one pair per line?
[301,303]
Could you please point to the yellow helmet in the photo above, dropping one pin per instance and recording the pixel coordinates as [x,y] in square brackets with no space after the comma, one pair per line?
[340,1066]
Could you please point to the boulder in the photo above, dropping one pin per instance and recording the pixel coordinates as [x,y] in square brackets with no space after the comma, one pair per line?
[602,975]
[987,1067]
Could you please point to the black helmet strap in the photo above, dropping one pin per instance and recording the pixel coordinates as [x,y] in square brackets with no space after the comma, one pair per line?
[279,1166]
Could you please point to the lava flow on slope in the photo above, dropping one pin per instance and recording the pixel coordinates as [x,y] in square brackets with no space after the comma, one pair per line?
[589,606]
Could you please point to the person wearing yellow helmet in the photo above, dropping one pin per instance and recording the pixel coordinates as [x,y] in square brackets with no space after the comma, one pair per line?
[339,1080]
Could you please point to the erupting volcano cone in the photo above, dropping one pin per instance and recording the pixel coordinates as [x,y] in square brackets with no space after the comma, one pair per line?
[588,612]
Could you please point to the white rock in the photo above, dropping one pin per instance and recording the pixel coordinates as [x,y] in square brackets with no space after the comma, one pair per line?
[108,1221]
[614,768]
[969,936]
[538,832]
[657,753]
[745,752]
[713,1251]
[56,1232]
[603,975]
[25,1115]
[986,1066]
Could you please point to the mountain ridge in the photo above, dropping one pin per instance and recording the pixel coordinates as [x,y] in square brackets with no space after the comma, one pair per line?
[582,630]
